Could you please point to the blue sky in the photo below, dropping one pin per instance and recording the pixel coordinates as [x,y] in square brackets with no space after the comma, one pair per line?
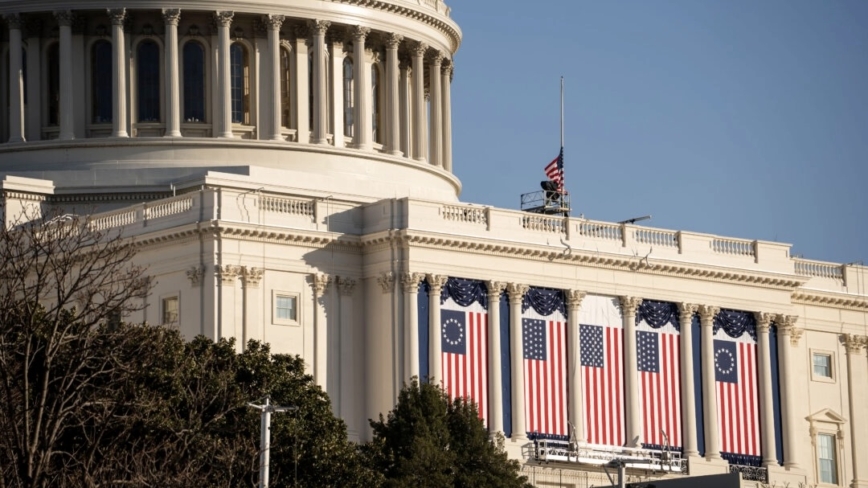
[738,118]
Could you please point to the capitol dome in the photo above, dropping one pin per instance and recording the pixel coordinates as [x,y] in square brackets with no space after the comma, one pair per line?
[348,98]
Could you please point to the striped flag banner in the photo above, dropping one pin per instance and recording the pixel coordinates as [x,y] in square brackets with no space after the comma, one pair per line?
[602,358]
[545,372]
[659,365]
[735,374]
[464,355]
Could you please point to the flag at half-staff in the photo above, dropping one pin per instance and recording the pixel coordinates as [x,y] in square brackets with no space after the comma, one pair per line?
[555,171]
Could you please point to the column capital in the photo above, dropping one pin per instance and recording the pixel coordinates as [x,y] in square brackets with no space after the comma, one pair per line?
[410,281]
[252,276]
[448,67]
[854,343]
[273,22]
[320,283]
[763,321]
[14,20]
[495,288]
[319,26]
[171,16]
[228,273]
[437,58]
[707,313]
[64,18]
[436,282]
[117,15]
[686,311]
[516,291]
[195,275]
[574,299]
[393,40]
[223,18]
[346,285]
[386,281]
[787,327]
[629,305]
[360,33]
[419,48]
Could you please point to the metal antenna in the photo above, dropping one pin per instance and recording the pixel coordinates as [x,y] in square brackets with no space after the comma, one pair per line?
[265,435]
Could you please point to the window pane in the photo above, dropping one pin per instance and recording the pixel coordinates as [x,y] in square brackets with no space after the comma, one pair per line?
[348,97]
[148,64]
[285,307]
[285,91]
[54,84]
[375,97]
[170,310]
[194,82]
[101,82]
[823,365]
[310,89]
[828,461]
[239,83]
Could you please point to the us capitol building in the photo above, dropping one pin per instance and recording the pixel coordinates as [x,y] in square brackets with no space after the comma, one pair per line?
[286,168]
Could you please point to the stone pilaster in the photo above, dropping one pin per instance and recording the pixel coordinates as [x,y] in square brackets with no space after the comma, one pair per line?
[435,125]
[857,376]
[435,367]
[224,82]
[362,130]
[519,421]
[393,131]
[495,378]
[171,17]
[767,411]
[320,284]
[320,80]
[786,332]
[420,122]
[410,282]
[686,312]
[629,305]
[709,395]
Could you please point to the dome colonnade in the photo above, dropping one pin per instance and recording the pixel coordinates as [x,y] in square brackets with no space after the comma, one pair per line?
[255,75]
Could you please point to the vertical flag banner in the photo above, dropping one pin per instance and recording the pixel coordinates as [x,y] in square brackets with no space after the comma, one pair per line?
[464,341]
[601,334]
[658,340]
[736,383]
[544,330]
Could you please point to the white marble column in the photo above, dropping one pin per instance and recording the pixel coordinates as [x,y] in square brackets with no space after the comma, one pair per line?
[171,17]
[362,132]
[574,376]
[435,366]
[516,359]
[320,353]
[631,374]
[788,338]
[447,116]
[320,82]
[420,120]
[16,79]
[435,124]
[495,378]
[767,410]
[224,99]
[67,120]
[393,104]
[857,376]
[253,327]
[709,395]
[688,391]
[410,282]
[405,107]
[119,73]
[273,24]
[302,89]
[337,93]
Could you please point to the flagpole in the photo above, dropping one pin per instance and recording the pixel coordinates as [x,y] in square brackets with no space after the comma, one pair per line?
[562,112]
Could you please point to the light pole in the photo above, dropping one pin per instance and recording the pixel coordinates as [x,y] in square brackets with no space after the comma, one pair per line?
[265,435]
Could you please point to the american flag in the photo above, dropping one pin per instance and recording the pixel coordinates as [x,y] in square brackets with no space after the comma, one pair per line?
[735,375]
[555,170]
[464,353]
[602,355]
[659,367]
[545,373]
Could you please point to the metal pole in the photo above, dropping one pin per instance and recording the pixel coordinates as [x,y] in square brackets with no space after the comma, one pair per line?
[562,111]
[622,475]
[264,445]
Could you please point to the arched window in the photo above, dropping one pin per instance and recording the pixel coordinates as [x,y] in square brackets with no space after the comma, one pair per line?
[194,82]
[376,100]
[101,82]
[348,97]
[285,91]
[239,67]
[53,84]
[148,82]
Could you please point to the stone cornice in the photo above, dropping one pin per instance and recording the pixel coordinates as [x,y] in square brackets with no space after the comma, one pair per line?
[830,299]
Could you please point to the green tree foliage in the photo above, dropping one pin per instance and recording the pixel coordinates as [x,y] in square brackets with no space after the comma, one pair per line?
[430,441]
